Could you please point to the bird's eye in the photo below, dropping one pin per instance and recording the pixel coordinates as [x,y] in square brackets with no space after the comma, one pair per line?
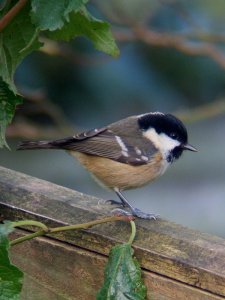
[173,135]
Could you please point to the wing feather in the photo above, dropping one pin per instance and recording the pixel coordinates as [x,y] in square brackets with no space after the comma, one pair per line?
[104,142]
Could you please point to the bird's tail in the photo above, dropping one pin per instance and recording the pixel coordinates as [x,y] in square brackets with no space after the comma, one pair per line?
[27,145]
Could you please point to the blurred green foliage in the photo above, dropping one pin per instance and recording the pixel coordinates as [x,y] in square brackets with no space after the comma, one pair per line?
[148,75]
[22,24]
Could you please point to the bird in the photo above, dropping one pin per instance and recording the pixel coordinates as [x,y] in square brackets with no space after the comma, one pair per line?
[126,154]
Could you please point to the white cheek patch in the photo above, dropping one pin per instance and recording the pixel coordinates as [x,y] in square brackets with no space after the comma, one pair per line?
[161,141]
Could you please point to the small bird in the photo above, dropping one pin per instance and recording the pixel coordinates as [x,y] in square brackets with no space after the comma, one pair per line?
[126,154]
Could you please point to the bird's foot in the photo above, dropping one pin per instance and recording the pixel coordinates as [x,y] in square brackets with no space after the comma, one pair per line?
[114,202]
[135,212]
[119,211]
[140,214]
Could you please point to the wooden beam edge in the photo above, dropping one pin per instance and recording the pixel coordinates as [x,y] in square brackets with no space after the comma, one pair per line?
[162,247]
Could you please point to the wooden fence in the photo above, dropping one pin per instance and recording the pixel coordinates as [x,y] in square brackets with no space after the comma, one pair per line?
[178,263]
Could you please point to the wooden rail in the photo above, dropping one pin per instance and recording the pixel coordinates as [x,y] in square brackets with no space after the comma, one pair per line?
[178,263]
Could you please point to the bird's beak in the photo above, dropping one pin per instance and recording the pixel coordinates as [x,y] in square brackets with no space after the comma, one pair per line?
[189,147]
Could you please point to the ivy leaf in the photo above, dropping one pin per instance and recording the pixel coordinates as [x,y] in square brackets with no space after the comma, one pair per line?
[10,276]
[122,276]
[82,23]
[8,102]
[17,40]
[51,15]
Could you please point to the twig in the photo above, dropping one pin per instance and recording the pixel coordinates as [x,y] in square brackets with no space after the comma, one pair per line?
[181,44]
[126,35]
[27,130]
[69,227]
[30,223]
[203,112]
[192,43]
[203,36]
[133,232]
[178,42]
[11,14]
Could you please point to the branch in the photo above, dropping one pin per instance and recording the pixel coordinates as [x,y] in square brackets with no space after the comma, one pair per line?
[69,227]
[206,36]
[30,223]
[178,42]
[203,112]
[181,44]
[11,14]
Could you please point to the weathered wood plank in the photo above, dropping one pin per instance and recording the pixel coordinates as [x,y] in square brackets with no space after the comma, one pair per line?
[37,290]
[55,270]
[162,247]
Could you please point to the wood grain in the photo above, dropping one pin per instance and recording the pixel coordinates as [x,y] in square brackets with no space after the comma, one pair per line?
[189,258]
[55,270]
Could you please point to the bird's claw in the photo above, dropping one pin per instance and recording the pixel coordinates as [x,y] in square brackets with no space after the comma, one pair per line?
[140,214]
[135,212]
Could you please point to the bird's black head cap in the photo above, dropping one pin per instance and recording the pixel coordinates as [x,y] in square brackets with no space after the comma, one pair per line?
[164,123]
[168,124]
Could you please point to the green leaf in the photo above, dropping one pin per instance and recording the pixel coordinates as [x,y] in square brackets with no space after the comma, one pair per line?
[51,15]
[8,102]
[10,276]
[122,276]
[17,40]
[83,24]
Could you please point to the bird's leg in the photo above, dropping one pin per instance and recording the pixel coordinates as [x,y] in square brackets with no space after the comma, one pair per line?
[135,211]
[119,203]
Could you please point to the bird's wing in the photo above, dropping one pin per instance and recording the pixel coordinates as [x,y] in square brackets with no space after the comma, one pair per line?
[106,143]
